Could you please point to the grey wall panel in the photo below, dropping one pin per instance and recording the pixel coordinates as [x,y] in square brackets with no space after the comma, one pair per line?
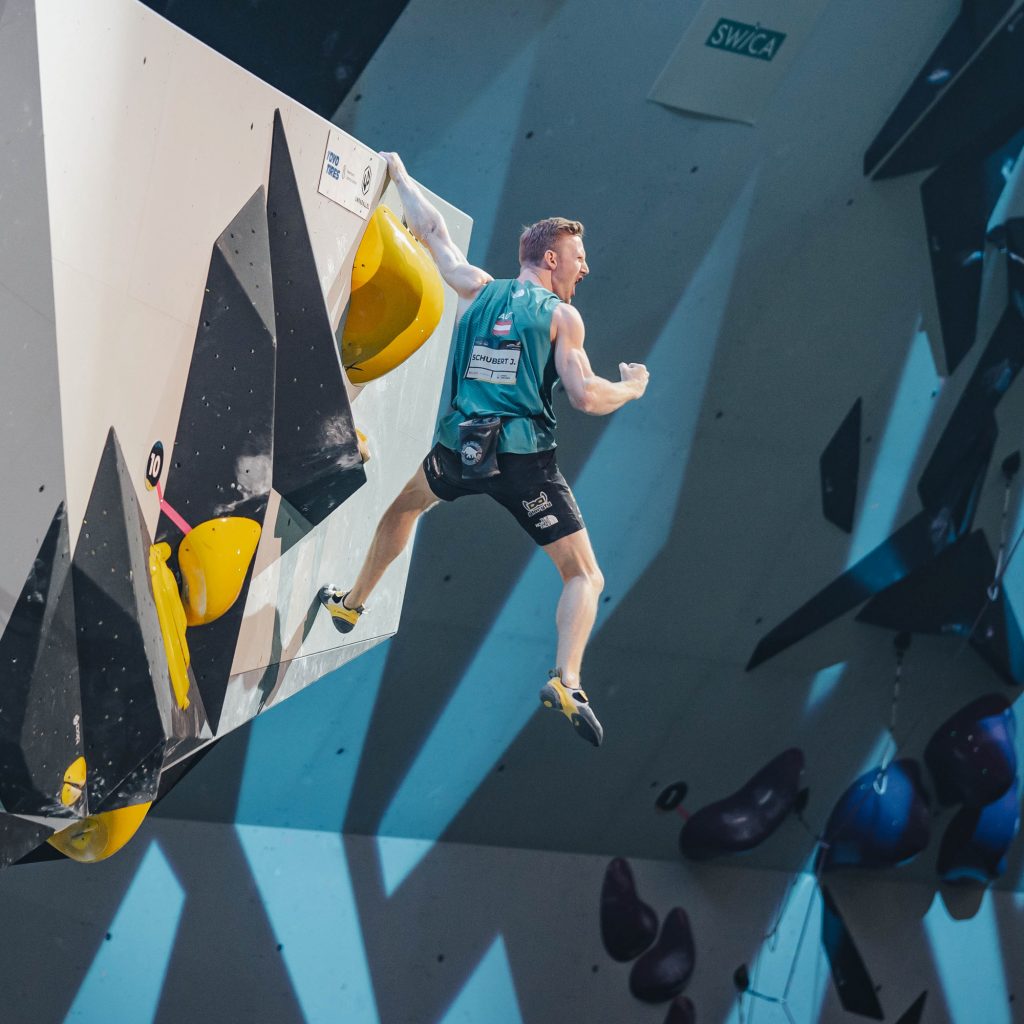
[485,934]
[31,456]
[819,303]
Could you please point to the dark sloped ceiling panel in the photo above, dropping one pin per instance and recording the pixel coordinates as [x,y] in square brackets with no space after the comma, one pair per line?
[311,50]
[967,95]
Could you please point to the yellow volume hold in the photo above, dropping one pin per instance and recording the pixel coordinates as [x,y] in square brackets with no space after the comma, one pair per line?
[171,615]
[214,558]
[397,299]
[100,835]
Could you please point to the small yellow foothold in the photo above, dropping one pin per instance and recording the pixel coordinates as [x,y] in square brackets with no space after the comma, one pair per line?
[74,782]
[364,446]
[171,616]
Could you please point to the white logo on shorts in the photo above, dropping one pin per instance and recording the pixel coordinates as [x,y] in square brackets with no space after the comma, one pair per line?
[543,524]
[537,505]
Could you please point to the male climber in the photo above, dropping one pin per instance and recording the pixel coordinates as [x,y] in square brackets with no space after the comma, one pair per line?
[513,340]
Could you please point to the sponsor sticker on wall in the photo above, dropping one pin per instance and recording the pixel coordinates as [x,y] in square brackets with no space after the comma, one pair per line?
[351,174]
[733,55]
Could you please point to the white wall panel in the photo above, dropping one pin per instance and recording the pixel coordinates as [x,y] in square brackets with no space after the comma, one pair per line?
[153,144]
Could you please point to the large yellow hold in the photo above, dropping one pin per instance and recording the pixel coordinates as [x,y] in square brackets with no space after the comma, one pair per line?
[213,559]
[397,299]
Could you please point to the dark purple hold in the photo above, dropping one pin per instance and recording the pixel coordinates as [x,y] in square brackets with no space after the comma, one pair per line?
[880,821]
[972,756]
[748,817]
[976,841]
[682,1011]
[663,971]
[628,925]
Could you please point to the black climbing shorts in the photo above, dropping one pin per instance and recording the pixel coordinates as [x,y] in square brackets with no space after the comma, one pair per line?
[529,486]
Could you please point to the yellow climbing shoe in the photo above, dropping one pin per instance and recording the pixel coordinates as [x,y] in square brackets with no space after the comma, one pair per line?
[344,619]
[573,703]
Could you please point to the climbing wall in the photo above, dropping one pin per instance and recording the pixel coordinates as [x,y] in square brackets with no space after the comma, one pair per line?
[174,274]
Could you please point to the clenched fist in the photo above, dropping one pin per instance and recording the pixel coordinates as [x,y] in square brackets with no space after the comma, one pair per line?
[635,374]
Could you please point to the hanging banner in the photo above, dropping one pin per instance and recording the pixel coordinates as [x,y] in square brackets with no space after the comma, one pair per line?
[733,56]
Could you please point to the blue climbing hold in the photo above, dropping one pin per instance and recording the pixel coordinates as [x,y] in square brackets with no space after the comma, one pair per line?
[880,821]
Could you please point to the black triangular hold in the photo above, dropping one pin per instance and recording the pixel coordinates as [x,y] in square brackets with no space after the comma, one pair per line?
[1013,231]
[19,837]
[912,1015]
[999,640]
[122,664]
[140,785]
[222,457]
[957,200]
[171,776]
[958,464]
[316,455]
[839,466]
[40,713]
[854,985]
[800,804]
[950,596]
[911,546]
[943,597]
[222,460]
[41,854]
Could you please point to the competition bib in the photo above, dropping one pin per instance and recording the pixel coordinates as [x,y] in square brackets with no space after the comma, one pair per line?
[496,359]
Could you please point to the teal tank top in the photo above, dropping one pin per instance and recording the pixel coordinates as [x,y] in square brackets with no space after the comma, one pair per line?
[503,364]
